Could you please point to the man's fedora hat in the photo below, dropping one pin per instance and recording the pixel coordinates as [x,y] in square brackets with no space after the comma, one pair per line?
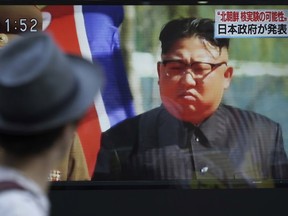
[41,87]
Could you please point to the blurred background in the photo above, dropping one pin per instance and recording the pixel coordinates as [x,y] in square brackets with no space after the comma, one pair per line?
[260,80]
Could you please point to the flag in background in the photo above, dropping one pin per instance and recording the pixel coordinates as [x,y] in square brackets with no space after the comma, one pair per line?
[92,31]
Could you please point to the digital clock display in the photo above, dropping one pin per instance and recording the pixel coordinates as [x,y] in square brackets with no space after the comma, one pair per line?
[19,25]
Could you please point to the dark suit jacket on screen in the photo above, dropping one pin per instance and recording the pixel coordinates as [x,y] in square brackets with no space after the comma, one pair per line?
[231,144]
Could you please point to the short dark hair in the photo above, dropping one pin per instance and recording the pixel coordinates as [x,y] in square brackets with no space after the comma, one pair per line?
[25,145]
[29,144]
[188,27]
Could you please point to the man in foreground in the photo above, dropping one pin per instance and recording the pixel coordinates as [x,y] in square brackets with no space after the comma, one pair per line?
[73,166]
[192,135]
[43,95]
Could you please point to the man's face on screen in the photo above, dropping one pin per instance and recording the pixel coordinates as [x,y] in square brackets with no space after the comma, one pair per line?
[192,77]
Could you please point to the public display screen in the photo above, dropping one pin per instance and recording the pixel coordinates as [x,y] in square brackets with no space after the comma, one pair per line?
[230,148]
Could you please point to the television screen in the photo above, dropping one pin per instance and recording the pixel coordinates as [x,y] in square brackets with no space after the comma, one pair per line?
[195,95]
[204,107]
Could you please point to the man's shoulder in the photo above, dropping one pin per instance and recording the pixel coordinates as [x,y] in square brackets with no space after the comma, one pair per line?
[20,202]
[246,115]
[131,125]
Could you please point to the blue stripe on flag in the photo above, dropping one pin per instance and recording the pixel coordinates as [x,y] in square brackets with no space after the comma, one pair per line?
[101,23]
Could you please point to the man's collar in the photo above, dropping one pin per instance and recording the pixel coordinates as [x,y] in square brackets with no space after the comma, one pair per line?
[213,128]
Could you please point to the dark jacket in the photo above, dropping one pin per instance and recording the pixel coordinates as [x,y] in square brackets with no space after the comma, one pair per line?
[231,144]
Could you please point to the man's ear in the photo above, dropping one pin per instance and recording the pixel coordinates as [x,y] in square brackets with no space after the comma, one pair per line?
[228,74]
[159,69]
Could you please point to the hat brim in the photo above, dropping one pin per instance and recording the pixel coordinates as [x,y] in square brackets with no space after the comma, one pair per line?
[89,79]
